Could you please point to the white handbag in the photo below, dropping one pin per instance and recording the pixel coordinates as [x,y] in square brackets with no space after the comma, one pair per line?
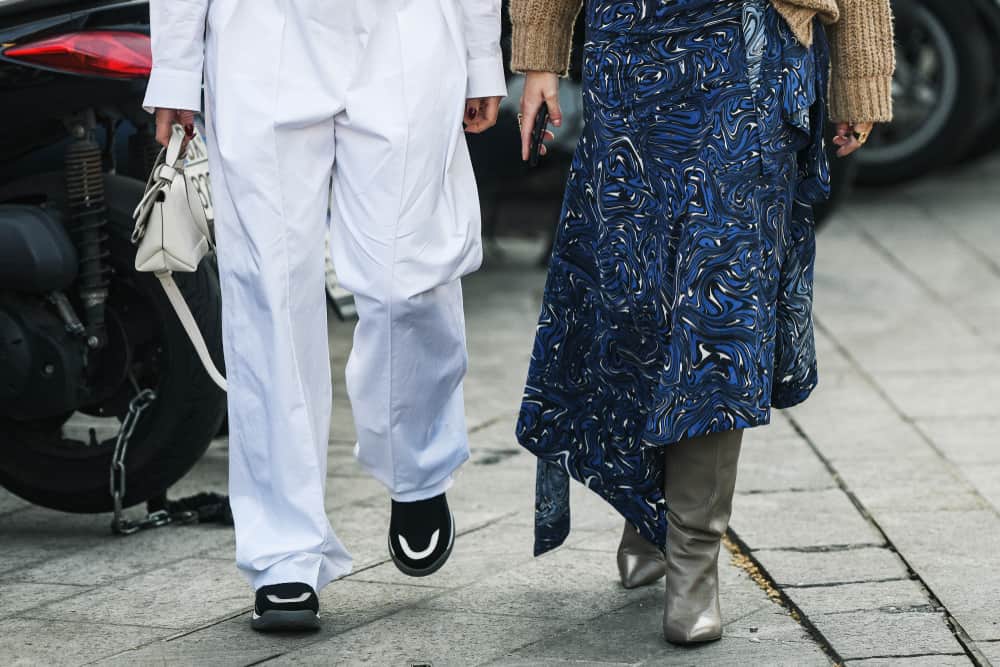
[172,234]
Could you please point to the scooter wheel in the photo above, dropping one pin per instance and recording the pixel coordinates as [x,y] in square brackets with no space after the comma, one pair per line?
[56,463]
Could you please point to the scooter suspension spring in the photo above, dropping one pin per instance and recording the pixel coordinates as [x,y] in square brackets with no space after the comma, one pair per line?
[85,193]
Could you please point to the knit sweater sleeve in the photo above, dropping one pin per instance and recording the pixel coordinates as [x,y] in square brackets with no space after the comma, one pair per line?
[862,59]
[542,34]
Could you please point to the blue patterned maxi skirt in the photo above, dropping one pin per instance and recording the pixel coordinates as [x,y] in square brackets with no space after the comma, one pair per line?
[679,296]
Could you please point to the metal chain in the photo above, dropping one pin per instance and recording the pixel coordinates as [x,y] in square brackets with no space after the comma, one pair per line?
[119,524]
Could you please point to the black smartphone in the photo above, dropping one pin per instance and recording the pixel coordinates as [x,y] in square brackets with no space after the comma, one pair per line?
[538,134]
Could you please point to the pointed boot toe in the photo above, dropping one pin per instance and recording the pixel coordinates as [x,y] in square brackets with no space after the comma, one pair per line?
[695,620]
[640,563]
[709,631]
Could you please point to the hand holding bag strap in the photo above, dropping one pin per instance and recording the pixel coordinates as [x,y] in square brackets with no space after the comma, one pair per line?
[168,166]
[191,327]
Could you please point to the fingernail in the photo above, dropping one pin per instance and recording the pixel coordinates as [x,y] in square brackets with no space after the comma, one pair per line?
[557,122]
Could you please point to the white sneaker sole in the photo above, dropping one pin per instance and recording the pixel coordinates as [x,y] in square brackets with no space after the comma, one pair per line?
[280,620]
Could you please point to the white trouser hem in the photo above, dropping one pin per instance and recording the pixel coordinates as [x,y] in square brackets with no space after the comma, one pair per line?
[316,570]
[425,493]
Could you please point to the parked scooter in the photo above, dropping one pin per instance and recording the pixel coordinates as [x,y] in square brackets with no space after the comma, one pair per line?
[98,380]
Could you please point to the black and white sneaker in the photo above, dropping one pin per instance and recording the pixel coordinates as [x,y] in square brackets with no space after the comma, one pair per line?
[285,607]
[421,535]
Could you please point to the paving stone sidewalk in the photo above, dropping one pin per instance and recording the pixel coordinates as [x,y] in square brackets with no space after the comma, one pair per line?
[870,512]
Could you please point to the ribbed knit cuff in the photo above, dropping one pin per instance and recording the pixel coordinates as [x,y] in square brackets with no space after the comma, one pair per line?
[542,47]
[861,100]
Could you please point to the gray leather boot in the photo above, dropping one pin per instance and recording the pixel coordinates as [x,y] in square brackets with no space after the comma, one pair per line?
[640,563]
[699,480]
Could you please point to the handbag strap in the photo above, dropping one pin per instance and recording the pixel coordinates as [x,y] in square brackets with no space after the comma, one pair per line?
[190,327]
[168,164]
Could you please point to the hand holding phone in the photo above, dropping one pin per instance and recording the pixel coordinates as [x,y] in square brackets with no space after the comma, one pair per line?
[538,134]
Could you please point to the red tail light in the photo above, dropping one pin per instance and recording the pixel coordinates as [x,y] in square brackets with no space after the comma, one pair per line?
[107,53]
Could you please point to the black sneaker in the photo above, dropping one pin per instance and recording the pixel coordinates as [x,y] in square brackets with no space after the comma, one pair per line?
[285,607]
[421,535]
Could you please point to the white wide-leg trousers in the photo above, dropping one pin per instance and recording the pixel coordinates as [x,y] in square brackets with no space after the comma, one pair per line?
[368,95]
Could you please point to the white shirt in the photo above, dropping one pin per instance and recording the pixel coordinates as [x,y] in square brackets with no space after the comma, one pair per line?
[178,43]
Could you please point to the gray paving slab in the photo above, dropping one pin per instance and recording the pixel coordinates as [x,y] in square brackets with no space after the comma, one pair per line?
[800,519]
[115,559]
[564,584]
[873,633]
[11,503]
[345,604]
[34,535]
[634,635]
[956,553]
[179,595]
[880,433]
[31,642]
[985,479]
[991,650]
[17,598]
[426,636]
[875,309]
[969,394]
[800,469]
[888,596]
[961,660]
[964,440]
[343,491]
[797,568]
[556,662]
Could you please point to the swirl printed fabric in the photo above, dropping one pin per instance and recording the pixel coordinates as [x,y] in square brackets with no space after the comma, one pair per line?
[679,296]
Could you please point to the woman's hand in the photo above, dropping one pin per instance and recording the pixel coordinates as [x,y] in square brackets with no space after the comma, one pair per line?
[165,119]
[847,137]
[481,113]
[538,87]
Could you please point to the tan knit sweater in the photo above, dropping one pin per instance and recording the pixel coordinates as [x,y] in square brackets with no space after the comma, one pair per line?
[860,36]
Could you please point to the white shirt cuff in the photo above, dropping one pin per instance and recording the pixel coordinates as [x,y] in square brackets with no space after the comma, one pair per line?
[486,78]
[173,89]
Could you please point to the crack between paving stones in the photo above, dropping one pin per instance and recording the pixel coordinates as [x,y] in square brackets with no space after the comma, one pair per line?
[764,492]
[768,585]
[398,583]
[263,660]
[827,548]
[889,609]
[959,632]
[486,424]
[83,621]
[834,584]
[890,656]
